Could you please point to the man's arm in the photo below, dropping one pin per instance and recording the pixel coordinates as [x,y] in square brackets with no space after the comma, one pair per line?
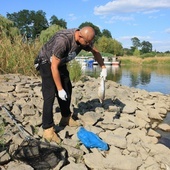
[98,57]
[55,72]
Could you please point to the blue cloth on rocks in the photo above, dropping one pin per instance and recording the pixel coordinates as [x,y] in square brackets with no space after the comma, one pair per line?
[91,140]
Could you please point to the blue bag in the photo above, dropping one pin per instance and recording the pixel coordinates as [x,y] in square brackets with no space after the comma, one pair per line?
[91,140]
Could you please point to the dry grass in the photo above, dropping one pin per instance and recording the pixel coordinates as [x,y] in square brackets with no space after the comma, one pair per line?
[18,57]
[165,60]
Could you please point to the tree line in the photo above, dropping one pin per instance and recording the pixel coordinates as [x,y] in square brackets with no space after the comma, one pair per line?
[34,24]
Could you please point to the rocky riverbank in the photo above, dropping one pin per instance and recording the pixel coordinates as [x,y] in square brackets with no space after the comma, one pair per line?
[126,121]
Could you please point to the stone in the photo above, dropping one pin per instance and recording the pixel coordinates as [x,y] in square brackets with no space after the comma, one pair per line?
[126,120]
[164,127]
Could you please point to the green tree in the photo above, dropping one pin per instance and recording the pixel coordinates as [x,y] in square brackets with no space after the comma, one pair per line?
[48,33]
[146,47]
[106,33]
[56,21]
[7,28]
[104,44]
[109,45]
[136,53]
[39,22]
[136,42]
[30,23]
[117,48]
[22,20]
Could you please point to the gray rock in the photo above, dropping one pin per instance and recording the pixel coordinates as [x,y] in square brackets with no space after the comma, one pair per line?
[123,121]
[4,157]
[18,165]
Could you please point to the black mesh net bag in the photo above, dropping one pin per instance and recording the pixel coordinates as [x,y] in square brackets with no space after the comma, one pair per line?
[41,155]
[38,154]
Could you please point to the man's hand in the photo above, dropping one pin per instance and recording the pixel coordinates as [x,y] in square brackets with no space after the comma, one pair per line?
[62,94]
[103,73]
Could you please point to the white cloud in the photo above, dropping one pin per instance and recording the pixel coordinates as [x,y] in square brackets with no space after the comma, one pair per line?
[120,18]
[151,11]
[161,46]
[129,6]
[72,17]
[167,30]
[141,38]
[153,17]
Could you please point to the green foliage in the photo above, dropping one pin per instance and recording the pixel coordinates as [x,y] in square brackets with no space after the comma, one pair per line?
[39,23]
[145,61]
[126,61]
[146,55]
[89,54]
[55,21]
[2,140]
[18,57]
[104,44]
[163,54]
[7,28]
[75,70]
[109,45]
[106,33]
[152,61]
[49,32]
[136,53]
[85,53]
[146,47]
[28,22]
[135,42]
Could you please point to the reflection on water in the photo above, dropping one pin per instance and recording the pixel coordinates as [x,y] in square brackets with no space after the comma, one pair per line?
[150,78]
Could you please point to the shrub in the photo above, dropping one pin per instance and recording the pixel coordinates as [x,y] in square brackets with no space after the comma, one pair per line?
[49,32]
[2,140]
[146,55]
[75,70]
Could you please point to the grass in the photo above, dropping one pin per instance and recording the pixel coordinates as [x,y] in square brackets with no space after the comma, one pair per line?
[18,57]
[145,61]
[2,140]
[75,70]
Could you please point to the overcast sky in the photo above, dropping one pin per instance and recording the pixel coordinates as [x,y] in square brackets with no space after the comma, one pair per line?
[148,20]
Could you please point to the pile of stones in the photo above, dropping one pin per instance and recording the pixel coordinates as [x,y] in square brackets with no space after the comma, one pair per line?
[127,121]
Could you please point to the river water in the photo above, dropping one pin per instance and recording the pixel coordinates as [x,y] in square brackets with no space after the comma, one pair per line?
[152,79]
[149,78]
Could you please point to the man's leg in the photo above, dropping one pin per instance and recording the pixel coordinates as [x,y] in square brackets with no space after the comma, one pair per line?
[65,105]
[48,92]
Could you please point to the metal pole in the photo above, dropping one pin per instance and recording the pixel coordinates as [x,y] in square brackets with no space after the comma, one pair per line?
[20,127]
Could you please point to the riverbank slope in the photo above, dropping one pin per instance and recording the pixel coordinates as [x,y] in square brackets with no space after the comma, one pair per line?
[126,121]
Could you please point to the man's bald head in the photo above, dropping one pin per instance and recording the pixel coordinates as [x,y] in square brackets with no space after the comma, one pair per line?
[88,33]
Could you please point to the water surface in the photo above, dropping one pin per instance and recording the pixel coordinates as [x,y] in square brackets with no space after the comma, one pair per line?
[149,78]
